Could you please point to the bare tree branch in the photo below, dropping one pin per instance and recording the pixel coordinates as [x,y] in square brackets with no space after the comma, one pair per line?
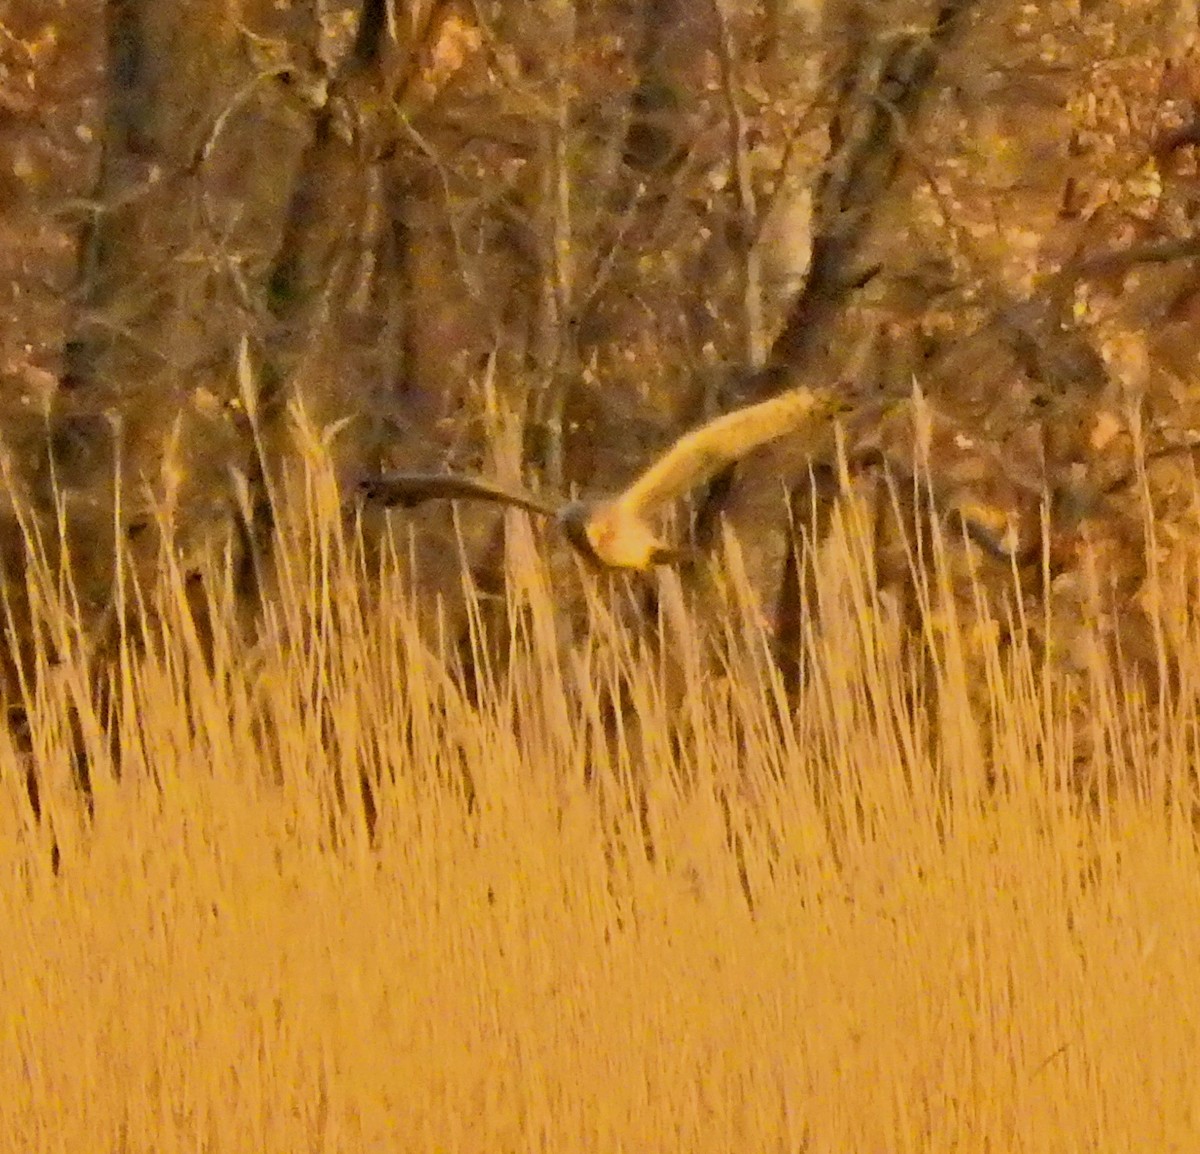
[754,328]
[559,305]
[881,87]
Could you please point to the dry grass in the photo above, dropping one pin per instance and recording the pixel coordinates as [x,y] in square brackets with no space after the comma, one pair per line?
[548,942]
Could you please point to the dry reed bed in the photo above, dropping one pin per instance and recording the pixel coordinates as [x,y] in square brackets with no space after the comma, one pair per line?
[934,961]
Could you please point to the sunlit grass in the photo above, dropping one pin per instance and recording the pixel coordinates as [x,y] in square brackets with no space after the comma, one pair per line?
[327,902]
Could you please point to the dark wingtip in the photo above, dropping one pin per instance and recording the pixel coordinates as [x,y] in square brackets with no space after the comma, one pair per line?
[381,490]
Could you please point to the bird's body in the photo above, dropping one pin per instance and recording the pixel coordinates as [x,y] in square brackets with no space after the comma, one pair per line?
[616,533]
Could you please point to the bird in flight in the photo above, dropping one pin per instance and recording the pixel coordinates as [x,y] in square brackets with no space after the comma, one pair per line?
[616,532]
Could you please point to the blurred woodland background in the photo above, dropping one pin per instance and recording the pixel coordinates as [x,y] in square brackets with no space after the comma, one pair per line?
[540,237]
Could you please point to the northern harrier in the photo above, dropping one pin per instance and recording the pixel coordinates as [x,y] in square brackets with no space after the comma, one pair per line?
[616,532]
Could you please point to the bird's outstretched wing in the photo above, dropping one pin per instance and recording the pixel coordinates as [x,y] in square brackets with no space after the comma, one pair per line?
[700,454]
[618,532]
[409,489]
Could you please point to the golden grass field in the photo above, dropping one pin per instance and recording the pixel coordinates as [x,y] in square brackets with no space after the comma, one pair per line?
[569,935]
